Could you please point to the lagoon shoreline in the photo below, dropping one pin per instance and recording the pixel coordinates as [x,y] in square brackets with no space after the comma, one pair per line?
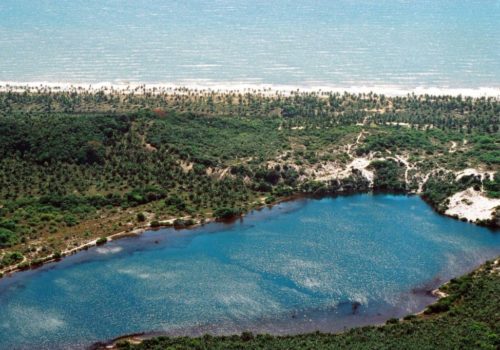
[426,290]
[141,229]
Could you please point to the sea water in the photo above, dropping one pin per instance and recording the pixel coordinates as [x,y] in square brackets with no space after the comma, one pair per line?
[301,266]
[342,43]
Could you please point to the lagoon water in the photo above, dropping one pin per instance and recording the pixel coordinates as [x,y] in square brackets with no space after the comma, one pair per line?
[300,266]
[344,43]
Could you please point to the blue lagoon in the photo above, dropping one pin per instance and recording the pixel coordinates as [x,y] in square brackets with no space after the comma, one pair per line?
[301,266]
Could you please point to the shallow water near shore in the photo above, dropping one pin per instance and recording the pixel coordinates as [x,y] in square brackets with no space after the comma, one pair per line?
[300,266]
[344,43]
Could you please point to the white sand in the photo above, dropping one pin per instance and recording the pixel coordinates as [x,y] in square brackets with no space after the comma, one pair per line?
[242,87]
[332,171]
[406,125]
[472,205]
[362,164]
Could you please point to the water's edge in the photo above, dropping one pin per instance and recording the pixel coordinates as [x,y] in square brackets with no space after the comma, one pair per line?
[422,293]
[429,291]
[140,230]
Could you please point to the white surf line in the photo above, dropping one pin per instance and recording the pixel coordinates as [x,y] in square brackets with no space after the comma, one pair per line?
[242,87]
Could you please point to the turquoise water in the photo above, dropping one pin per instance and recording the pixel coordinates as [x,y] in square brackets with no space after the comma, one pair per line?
[303,265]
[343,43]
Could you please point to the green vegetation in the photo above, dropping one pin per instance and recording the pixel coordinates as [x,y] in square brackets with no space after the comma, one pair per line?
[389,176]
[141,217]
[467,318]
[101,241]
[226,213]
[213,141]
[11,258]
[492,187]
[403,139]
[75,167]
[443,185]
[79,166]
[7,238]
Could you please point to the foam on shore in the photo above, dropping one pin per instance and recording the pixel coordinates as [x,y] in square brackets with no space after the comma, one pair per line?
[241,87]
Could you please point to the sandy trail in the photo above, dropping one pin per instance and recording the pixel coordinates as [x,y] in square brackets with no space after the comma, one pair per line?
[408,167]
[453,147]
[225,87]
[351,145]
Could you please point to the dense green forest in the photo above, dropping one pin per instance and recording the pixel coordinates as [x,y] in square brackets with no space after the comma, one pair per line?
[467,318]
[76,166]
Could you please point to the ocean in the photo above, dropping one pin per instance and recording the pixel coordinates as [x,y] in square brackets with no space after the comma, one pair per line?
[388,44]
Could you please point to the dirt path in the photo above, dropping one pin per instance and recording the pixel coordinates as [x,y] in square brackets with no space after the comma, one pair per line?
[453,147]
[408,167]
[351,145]
[422,184]
[360,135]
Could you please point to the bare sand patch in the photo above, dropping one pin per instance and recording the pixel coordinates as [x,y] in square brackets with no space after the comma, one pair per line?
[472,205]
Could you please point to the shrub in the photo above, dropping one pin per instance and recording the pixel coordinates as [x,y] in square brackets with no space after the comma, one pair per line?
[492,187]
[247,336]
[226,213]
[392,321]
[8,224]
[181,223]
[24,266]
[410,317]
[36,263]
[270,200]
[314,187]
[442,305]
[70,220]
[388,176]
[101,240]
[176,202]
[11,258]
[7,238]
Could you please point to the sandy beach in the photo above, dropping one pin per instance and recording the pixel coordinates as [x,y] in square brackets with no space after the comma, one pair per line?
[239,87]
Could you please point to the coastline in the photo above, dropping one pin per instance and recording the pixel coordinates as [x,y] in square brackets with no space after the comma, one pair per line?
[241,87]
[250,175]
